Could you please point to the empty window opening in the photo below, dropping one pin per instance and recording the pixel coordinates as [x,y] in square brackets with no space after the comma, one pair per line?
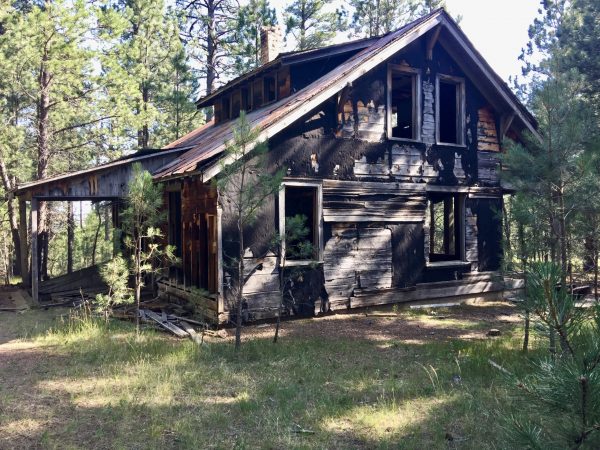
[403,106]
[246,102]
[226,108]
[235,105]
[444,227]
[270,88]
[175,272]
[257,94]
[301,206]
[450,114]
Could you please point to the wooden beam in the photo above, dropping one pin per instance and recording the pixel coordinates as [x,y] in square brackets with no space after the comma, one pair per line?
[34,251]
[505,123]
[23,241]
[220,287]
[431,40]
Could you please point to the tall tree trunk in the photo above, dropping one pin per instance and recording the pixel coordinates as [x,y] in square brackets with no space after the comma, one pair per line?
[143,132]
[240,285]
[211,52]
[8,186]
[70,236]
[523,251]
[95,244]
[43,144]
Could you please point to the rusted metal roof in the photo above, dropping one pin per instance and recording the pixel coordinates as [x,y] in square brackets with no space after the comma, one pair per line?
[271,119]
[288,58]
[130,159]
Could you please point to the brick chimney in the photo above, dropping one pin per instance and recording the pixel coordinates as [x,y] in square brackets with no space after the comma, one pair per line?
[270,43]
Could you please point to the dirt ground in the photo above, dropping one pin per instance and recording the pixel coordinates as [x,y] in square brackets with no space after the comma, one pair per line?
[471,321]
[382,323]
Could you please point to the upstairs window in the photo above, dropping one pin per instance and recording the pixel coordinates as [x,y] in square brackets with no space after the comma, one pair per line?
[225,108]
[403,103]
[235,104]
[270,88]
[450,110]
[257,93]
[246,101]
[445,227]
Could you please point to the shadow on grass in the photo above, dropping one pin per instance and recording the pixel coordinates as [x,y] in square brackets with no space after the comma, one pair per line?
[101,388]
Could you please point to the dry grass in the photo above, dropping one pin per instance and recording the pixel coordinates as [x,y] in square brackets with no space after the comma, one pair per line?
[374,380]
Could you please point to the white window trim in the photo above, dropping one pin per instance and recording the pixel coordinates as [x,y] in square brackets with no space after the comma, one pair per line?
[461,109]
[416,92]
[319,219]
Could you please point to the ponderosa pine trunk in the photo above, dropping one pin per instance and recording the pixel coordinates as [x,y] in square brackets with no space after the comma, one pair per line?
[211,52]
[8,186]
[43,147]
[240,286]
[70,236]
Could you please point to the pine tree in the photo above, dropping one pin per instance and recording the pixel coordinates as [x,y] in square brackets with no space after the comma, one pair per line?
[311,23]
[244,185]
[207,29]
[47,55]
[245,48]
[376,17]
[143,55]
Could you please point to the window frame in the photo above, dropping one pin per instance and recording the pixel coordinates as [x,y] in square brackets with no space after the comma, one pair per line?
[461,123]
[318,221]
[415,74]
[272,75]
[460,222]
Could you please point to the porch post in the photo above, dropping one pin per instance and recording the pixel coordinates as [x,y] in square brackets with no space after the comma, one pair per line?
[23,235]
[34,251]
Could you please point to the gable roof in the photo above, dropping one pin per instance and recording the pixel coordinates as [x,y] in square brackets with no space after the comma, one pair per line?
[210,140]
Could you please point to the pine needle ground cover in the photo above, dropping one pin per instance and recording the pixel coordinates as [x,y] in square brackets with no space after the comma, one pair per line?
[376,379]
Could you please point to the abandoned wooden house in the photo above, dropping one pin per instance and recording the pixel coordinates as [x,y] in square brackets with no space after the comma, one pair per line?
[391,150]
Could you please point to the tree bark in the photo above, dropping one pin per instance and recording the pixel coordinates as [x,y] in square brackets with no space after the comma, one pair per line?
[8,186]
[70,236]
[211,53]
[43,147]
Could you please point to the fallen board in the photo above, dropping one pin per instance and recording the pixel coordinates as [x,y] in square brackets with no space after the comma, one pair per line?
[165,323]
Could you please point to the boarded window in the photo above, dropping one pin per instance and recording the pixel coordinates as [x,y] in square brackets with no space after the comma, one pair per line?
[270,88]
[450,111]
[301,204]
[444,227]
[403,111]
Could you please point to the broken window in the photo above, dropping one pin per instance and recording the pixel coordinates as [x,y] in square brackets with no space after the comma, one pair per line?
[301,202]
[257,94]
[403,106]
[445,227]
[450,110]
[269,88]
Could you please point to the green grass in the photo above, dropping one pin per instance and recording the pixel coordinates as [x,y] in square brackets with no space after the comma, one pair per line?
[86,385]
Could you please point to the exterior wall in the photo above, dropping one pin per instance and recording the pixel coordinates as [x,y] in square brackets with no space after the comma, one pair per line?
[375,190]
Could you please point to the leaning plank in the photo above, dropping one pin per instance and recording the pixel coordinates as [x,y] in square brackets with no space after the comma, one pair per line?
[165,324]
[197,338]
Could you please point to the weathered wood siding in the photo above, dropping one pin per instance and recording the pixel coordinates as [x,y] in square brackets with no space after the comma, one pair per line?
[375,194]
